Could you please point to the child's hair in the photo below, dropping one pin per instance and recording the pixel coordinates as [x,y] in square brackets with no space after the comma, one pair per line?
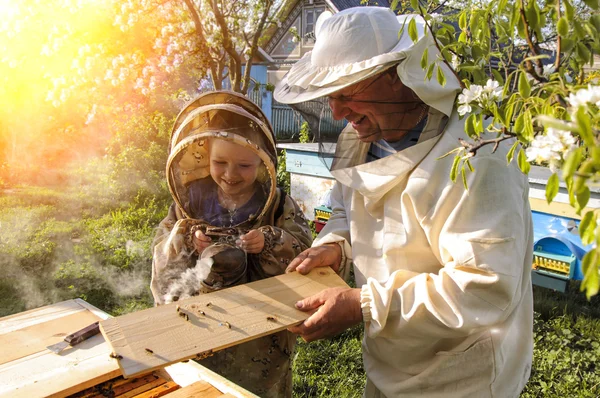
[221,120]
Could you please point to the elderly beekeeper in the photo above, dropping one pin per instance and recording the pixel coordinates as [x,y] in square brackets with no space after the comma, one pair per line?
[442,272]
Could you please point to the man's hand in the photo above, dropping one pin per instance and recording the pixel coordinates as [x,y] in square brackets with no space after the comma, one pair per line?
[329,255]
[338,309]
[200,241]
[252,242]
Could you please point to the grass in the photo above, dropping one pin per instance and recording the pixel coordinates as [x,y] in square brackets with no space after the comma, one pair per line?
[56,245]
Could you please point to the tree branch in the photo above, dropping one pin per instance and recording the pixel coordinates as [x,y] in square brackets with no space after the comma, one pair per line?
[472,148]
[437,45]
[254,45]
[235,60]
[528,39]
[558,39]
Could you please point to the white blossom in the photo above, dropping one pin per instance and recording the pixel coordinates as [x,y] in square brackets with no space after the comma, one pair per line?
[585,96]
[551,147]
[480,96]
[464,109]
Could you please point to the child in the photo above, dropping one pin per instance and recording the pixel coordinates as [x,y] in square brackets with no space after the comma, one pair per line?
[229,225]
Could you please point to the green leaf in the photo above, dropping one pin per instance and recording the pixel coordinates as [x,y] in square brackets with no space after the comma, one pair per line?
[567,44]
[552,187]
[593,4]
[498,76]
[429,73]
[589,267]
[523,163]
[571,163]
[587,228]
[585,127]
[470,126]
[471,168]
[414,4]
[532,15]
[583,52]
[583,197]
[511,152]
[462,21]
[440,76]
[524,87]
[394,5]
[412,30]
[424,59]
[454,169]
[549,121]
[562,27]
[464,178]
[450,153]
[528,132]
[520,125]
[568,10]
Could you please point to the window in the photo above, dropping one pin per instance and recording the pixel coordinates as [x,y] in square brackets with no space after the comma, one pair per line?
[310,19]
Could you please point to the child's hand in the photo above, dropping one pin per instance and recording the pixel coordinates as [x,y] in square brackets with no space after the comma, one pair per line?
[252,242]
[201,241]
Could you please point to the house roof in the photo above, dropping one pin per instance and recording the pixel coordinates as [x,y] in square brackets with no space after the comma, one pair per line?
[293,7]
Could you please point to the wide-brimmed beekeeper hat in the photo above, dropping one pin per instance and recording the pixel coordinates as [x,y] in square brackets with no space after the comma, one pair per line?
[359,43]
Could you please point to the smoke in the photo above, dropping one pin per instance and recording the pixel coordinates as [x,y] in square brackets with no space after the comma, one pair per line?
[188,283]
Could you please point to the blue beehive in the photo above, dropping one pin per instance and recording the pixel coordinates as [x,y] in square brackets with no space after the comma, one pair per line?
[558,251]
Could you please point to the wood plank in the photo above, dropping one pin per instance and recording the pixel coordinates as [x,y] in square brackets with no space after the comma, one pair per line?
[160,391]
[45,373]
[159,336]
[9,324]
[189,372]
[143,387]
[200,389]
[35,338]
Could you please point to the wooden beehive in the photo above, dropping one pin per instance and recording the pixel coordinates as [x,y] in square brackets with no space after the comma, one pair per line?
[28,369]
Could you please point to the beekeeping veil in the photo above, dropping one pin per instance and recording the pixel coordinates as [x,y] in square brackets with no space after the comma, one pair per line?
[220,115]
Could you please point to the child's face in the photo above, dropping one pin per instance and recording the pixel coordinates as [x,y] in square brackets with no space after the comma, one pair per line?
[233,167]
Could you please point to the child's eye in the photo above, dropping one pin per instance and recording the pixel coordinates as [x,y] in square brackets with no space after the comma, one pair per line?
[245,166]
[218,162]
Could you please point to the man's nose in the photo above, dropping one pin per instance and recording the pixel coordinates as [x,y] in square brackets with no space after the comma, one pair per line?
[339,110]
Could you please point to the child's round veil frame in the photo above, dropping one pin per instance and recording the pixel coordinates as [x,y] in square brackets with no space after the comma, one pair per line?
[188,158]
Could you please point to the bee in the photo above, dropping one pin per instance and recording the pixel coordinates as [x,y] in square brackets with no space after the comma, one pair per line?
[178,308]
[272,319]
[202,312]
[149,351]
[184,315]
[225,323]
[115,356]
[204,355]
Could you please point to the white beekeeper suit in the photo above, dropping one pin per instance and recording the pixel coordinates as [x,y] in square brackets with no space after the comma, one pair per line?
[444,271]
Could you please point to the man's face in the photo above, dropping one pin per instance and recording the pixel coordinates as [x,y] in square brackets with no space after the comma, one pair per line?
[376,107]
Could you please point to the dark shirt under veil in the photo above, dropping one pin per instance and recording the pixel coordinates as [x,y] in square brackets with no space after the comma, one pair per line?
[204,204]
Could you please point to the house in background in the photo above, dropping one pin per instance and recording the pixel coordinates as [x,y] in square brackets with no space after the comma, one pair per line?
[282,46]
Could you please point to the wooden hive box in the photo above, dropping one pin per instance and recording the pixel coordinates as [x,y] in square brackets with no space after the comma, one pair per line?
[29,370]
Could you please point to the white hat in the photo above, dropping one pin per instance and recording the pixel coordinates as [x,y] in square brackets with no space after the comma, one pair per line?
[361,42]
